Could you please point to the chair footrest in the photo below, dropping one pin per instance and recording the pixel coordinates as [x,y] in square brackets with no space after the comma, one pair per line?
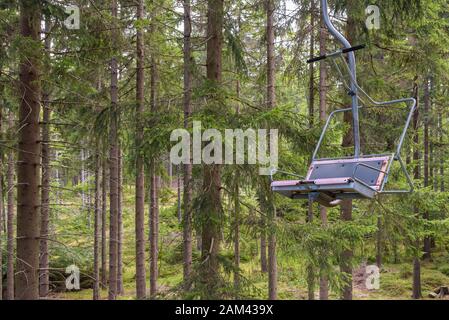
[324,191]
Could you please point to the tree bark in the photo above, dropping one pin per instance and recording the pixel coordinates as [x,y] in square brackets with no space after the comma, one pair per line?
[178,194]
[28,211]
[113,171]
[311,102]
[211,210]
[379,242]
[154,193]
[263,234]
[2,222]
[441,152]
[82,180]
[416,279]
[187,201]
[263,247]
[346,256]
[103,225]
[45,184]
[140,169]
[309,268]
[272,262]
[120,289]
[236,239]
[311,99]
[324,283]
[45,199]
[348,140]
[416,174]
[346,215]
[154,229]
[97,235]
[415,123]
[427,240]
[271,99]
[10,187]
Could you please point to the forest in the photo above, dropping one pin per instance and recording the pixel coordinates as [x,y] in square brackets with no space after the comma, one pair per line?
[147,147]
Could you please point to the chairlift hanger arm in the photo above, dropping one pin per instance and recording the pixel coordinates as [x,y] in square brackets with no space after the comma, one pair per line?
[352,67]
[336,53]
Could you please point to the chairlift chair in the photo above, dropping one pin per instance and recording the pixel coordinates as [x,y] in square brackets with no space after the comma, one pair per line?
[329,181]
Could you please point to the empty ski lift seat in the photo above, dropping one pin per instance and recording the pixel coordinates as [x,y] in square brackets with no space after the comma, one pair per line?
[329,181]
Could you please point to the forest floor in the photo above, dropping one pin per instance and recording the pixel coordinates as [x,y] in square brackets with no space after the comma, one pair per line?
[395,284]
[395,279]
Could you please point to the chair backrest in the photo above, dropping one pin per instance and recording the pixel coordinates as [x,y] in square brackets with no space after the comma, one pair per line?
[370,170]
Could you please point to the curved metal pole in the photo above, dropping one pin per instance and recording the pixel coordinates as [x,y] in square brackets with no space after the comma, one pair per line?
[352,67]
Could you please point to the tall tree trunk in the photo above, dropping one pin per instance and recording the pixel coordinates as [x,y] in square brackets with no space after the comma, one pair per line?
[113,171]
[311,102]
[154,193]
[236,226]
[348,140]
[427,240]
[236,238]
[394,244]
[416,156]
[415,123]
[434,134]
[346,215]
[45,184]
[271,99]
[311,97]
[120,289]
[433,181]
[211,210]
[179,194]
[346,256]
[324,283]
[45,198]
[154,228]
[82,180]
[10,187]
[187,201]
[309,267]
[416,279]
[441,150]
[263,246]
[140,169]
[28,212]
[103,224]
[272,258]
[379,242]
[97,235]
[2,222]
[263,235]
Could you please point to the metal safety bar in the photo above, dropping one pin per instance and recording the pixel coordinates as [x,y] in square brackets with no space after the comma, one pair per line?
[336,53]
[275,171]
[383,104]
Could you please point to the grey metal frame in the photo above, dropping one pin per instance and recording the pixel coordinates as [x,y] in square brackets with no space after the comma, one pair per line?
[396,155]
[355,89]
[316,192]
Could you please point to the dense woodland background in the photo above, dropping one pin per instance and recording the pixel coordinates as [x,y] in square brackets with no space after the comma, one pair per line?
[86,117]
